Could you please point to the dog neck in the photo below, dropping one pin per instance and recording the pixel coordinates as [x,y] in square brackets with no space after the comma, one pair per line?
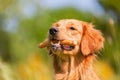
[76,67]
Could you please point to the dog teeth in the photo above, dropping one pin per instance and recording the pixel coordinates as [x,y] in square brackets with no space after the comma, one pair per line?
[52,43]
[75,42]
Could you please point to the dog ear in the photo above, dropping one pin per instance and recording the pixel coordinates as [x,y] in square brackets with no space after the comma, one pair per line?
[92,39]
[44,44]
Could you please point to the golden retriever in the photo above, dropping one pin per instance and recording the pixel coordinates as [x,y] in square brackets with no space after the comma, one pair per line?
[72,44]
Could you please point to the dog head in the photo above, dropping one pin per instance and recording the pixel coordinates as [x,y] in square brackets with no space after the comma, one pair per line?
[87,38]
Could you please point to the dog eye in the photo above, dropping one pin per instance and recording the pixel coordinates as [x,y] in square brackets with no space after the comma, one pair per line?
[72,28]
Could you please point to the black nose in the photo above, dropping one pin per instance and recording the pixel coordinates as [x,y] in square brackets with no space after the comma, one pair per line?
[53,31]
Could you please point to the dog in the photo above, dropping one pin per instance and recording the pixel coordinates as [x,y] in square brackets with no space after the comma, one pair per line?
[73,44]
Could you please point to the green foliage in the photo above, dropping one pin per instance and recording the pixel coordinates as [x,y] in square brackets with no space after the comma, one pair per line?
[16,47]
[112,7]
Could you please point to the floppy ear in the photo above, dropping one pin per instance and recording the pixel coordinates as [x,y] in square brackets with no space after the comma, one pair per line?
[92,39]
[45,43]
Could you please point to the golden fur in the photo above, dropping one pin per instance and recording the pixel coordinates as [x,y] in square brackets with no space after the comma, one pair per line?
[75,64]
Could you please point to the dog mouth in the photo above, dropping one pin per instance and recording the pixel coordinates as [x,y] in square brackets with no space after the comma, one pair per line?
[67,47]
[57,45]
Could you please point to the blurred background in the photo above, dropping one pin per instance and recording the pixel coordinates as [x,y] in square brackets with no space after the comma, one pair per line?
[25,23]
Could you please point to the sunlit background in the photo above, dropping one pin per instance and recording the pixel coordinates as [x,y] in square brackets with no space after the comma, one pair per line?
[25,23]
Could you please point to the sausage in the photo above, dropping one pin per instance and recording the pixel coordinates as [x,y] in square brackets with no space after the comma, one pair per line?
[69,42]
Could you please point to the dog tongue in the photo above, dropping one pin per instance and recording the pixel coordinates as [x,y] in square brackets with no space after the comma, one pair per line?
[67,47]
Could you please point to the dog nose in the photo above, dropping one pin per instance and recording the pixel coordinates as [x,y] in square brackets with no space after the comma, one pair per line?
[53,31]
